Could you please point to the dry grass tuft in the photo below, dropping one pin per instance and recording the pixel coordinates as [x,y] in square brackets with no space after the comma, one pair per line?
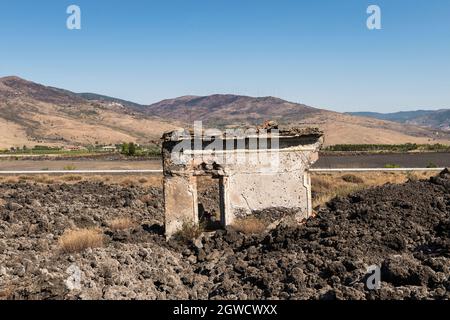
[44,179]
[321,182]
[249,225]
[351,178]
[11,180]
[41,179]
[340,191]
[412,176]
[77,240]
[128,182]
[71,178]
[121,224]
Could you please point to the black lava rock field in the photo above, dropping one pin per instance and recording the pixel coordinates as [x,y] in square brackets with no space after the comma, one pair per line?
[403,230]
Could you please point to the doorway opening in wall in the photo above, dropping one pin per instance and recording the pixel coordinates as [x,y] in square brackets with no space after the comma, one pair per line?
[209,202]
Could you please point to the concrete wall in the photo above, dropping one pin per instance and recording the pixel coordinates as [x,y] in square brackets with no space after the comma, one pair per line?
[250,180]
[252,188]
[180,202]
[250,192]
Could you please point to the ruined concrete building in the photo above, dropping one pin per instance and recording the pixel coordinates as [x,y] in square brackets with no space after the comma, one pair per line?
[256,168]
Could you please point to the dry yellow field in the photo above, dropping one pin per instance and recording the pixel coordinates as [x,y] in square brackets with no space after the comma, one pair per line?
[326,186]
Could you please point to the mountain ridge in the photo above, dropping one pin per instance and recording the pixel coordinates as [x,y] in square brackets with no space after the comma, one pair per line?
[436,119]
[31,113]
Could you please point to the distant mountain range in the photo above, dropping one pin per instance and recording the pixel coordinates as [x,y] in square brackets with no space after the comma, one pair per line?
[32,113]
[436,119]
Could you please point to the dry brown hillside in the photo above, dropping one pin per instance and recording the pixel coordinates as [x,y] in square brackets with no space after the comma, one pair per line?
[223,110]
[32,114]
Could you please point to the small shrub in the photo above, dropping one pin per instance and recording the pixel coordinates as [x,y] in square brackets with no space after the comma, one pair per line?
[69,168]
[121,224]
[351,178]
[131,149]
[78,240]
[143,180]
[391,166]
[249,225]
[411,176]
[190,231]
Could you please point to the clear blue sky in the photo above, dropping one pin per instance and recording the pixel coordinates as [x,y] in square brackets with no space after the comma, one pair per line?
[315,52]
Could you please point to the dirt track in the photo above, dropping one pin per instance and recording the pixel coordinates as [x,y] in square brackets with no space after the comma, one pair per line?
[44,165]
[404,229]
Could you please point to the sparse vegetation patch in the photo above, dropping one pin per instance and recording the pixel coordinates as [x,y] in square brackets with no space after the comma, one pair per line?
[189,231]
[78,240]
[352,178]
[249,225]
[121,223]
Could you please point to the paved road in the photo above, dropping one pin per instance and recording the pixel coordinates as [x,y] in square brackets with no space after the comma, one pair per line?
[417,160]
[420,160]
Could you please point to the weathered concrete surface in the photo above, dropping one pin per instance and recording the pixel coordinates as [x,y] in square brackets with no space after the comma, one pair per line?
[257,170]
[180,202]
[253,188]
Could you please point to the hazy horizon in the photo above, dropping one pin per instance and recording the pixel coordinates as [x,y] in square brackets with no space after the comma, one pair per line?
[316,53]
